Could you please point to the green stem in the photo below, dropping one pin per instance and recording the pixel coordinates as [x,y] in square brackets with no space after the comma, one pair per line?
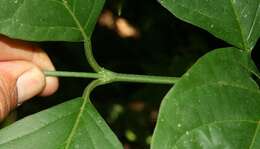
[115,77]
[145,78]
[87,42]
[73,74]
[89,54]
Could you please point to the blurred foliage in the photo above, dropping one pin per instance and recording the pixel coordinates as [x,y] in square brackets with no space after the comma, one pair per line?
[164,46]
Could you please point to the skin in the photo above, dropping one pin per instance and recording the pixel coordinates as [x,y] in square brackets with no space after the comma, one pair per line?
[21,74]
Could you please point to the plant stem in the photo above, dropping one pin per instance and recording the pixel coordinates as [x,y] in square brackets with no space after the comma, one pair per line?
[87,42]
[145,78]
[89,55]
[116,77]
[73,74]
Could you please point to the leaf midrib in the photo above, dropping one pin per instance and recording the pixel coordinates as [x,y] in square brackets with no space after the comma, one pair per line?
[245,45]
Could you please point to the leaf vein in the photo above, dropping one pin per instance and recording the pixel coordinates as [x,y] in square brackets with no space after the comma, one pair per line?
[44,126]
[105,136]
[254,22]
[255,134]
[211,123]
[90,14]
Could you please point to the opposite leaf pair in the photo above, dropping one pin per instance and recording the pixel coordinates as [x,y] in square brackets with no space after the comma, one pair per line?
[214,105]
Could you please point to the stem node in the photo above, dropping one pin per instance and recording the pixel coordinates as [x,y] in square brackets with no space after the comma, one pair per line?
[107,76]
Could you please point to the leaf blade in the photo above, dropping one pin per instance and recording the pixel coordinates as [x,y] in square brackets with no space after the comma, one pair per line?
[234,21]
[214,105]
[50,22]
[50,128]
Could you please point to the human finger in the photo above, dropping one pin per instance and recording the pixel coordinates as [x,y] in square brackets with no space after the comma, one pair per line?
[19,81]
[12,49]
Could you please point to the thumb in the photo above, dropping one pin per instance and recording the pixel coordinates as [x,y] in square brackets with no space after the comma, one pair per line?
[19,81]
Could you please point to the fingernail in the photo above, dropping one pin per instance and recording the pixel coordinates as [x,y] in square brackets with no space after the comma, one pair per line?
[29,84]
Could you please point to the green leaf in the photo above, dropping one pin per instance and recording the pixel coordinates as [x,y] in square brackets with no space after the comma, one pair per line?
[48,20]
[215,105]
[235,21]
[50,129]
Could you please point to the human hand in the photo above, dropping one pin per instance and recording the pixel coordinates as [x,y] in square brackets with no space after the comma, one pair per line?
[21,76]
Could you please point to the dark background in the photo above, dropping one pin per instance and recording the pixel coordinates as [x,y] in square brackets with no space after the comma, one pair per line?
[165,46]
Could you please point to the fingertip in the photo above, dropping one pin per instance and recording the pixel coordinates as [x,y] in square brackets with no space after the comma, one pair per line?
[51,86]
[29,84]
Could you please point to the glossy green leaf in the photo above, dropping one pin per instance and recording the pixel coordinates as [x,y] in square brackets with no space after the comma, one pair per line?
[235,21]
[51,128]
[215,105]
[48,20]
